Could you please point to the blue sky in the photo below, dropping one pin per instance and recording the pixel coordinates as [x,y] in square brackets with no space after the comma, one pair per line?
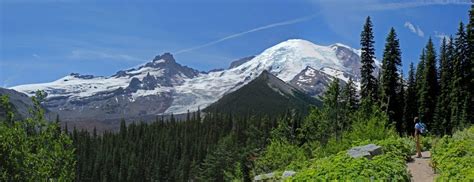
[43,40]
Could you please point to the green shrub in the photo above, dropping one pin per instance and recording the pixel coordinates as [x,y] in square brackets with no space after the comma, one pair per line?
[401,146]
[35,150]
[280,155]
[372,127]
[389,166]
[453,157]
[427,142]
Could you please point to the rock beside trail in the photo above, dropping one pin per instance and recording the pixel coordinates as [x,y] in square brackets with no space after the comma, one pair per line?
[367,151]
[287,174]
[273,177]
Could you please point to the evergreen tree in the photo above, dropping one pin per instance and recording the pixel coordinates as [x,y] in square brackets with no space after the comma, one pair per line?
[411,106]
[442,123]
[429,86]
[469,69]
[368,82]
[390,83]
[458,96]
[349,95]
[332,107]
[401,101]
[350,102]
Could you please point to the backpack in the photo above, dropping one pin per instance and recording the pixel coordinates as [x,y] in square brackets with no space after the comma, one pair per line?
[422,128]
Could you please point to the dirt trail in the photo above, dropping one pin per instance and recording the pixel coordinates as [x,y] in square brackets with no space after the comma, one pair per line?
[420,168]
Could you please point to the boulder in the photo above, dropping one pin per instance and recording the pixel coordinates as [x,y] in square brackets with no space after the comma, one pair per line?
[367,151]
[287,174]
[272,176]
[264,176]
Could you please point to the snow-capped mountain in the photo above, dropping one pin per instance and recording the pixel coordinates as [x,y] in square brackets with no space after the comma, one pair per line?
[163,86]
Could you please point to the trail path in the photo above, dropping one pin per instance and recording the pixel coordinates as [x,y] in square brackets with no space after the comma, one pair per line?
[420,168]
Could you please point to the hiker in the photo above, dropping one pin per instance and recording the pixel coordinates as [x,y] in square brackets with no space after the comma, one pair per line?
[418,131]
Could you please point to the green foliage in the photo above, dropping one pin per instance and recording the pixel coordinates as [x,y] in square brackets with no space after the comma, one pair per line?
[260,96]
[429,86]
[453,157]
[35,150]
[401,146]
[216,163]
[287,128]
[320,159]
[390,167]
[427,142]
[315,126]
[217,147]
[442,122]
[236,174]
[390,80]
[368,82]
[411,106]
[6,110]
[459,94]
[280,155]
[372,126]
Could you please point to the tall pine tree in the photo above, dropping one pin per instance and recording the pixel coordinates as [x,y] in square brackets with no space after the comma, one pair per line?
[411,106]
[442,123]
[368,82]
[458,96]
[401,101]
[332,106]
[349,102]
[429,86]
[390,79]
[469,69]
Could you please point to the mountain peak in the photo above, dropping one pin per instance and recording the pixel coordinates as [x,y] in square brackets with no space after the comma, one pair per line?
[77,75]
[266,94]
[240,61]
[166,57]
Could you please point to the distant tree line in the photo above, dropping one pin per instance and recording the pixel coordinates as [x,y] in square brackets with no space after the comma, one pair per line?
[209,148]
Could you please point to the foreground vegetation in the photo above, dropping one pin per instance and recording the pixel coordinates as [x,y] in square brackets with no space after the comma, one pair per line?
[317,159]
[34,149]
[453,156]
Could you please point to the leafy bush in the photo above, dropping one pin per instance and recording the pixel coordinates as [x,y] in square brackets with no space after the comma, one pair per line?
[372,127]
[453,157]
[280,155]
[389,166]
[35,150]
[427,142]
[401,146]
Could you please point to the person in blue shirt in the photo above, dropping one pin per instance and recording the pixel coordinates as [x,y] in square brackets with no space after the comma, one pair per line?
[417,136]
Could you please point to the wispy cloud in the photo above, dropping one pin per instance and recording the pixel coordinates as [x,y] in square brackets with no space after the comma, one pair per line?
[414,29]
[273,25]
[101,55]
[441,36]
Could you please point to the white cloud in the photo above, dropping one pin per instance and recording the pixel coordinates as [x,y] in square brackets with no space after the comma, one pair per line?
[441,36]
[101,55]
[287,22]
[414,29]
